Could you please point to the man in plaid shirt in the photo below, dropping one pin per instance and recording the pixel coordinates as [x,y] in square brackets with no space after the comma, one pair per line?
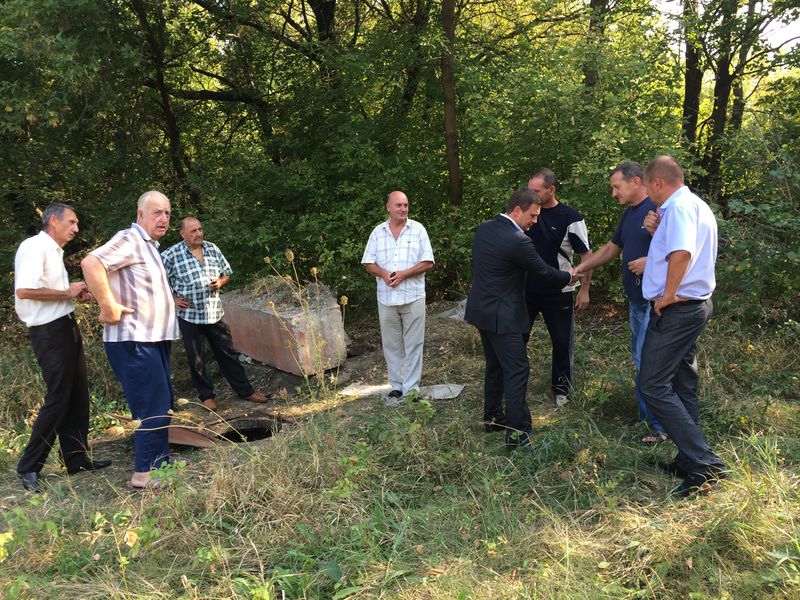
[398,253]
[196,270]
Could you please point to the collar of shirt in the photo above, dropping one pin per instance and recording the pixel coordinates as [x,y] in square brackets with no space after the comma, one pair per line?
[513,221]
[145,236]
[49,243]
[679,192]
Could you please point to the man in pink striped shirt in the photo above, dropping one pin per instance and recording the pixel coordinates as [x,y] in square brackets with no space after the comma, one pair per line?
[137,309]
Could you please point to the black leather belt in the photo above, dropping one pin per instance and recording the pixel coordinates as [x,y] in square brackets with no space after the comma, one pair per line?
[690,301]
[67,317]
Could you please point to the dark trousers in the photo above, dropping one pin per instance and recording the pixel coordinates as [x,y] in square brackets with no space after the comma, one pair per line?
[559,315]
[59,349]
[143,369]
[668,381]
[219,337]
[506,375]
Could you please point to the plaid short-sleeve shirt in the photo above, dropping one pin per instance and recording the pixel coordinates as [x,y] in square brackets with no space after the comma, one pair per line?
[190,277]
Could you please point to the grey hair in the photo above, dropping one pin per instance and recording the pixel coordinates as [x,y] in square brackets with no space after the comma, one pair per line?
[54,210]
[145,198]
[629,169]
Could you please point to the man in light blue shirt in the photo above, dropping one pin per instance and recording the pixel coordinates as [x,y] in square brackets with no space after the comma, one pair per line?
[678,281]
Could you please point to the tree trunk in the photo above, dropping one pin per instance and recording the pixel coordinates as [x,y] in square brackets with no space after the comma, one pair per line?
[597,26]
[156,41]
[455,186]
[693,76]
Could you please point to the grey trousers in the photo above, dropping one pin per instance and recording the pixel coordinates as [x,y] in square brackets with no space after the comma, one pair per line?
[403,337]
[668,381]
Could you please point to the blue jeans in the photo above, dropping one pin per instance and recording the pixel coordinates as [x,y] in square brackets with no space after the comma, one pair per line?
[638,318]
[143,369]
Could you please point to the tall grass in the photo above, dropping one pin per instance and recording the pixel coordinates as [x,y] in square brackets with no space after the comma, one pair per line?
[365,501]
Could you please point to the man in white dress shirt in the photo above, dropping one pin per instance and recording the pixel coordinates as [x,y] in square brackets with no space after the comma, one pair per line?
[398,253]
[678,281]
[44,302]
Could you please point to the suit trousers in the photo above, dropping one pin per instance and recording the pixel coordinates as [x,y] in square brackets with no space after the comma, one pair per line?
[668,381]
[558,313]
[219,338]
[143,369]
[507,371]
[59,350]
[403,338]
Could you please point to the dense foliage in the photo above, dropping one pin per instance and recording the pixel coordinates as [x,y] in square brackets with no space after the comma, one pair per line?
[283,124]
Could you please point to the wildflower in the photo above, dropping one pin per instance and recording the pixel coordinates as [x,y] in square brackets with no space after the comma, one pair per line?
[288,279]
[343,300]
[314,271]
[290,256]
[267,260]
[270,305]
[136,423]
[181,402]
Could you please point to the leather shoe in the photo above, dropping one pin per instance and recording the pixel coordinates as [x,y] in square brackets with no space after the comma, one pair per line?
[698,483]
[257,397]
[672,468]
[30,481]
[395,394]
[92,465]
[495,424]
[519,441]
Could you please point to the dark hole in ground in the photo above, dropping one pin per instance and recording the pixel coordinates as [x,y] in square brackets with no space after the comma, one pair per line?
[251,434]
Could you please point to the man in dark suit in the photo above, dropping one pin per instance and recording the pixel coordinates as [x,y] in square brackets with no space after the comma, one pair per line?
[502,256]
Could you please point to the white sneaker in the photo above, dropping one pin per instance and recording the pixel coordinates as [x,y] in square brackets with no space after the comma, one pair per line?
[561,400]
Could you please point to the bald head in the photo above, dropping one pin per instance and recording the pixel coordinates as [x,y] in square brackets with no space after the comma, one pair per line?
[663,177]
[397,206]
[192,232]
[665,168]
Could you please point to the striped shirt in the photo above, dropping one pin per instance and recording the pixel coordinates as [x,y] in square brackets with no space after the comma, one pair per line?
[190,277]
[410,248]
[138,280]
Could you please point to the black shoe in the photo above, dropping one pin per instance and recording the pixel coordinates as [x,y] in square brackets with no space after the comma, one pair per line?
[519,441]
[396,394]
[92,465]
[30,481]
[698,483]
[495,424]
[672,468]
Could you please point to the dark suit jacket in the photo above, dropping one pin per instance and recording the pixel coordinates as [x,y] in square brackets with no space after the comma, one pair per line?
[502,257]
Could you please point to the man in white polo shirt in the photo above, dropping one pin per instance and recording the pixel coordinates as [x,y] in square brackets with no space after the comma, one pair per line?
[44,302]
[128,279]
[678,281]
[398,253]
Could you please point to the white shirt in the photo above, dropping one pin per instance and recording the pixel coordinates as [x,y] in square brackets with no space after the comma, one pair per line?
[687,223]
[410,248]
[39,263]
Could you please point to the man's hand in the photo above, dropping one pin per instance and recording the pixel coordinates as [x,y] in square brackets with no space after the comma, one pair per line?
[397,278]
[85,296]
[664,301]
[110,314]
[582,298]
[182,302]
[576,275]
[637,266]
[76,289]
[651,222]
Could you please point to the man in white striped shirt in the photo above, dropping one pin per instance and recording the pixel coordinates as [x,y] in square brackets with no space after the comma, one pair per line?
[398,253]
[128,280]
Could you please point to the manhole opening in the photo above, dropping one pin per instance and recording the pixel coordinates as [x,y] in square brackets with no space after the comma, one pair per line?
[250,434]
